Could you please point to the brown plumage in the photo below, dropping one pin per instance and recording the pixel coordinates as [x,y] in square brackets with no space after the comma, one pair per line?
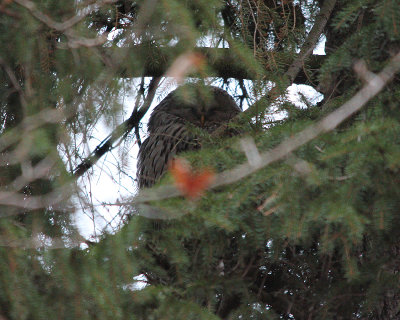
[205,107]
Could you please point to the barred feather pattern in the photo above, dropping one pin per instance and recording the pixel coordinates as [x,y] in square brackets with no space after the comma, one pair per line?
[169,133]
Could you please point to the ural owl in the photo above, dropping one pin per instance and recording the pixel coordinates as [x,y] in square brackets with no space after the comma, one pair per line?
[205,107]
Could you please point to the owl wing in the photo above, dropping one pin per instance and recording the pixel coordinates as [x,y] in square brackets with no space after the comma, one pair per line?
[158,150]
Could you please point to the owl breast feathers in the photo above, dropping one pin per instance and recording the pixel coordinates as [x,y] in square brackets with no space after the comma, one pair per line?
[205,107]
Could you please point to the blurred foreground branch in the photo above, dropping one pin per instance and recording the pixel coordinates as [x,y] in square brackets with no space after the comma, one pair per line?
[51,199]
[38,241]
[74,40]
[65,25]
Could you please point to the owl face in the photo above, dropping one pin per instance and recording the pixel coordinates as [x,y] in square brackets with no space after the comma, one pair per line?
[204,107]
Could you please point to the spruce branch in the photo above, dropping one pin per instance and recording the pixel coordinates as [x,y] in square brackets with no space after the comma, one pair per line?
[295,67]
[61,26]
[74,41]
[374,84]
[311,41]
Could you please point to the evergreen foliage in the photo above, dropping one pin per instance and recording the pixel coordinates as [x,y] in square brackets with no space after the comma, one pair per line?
[314,235]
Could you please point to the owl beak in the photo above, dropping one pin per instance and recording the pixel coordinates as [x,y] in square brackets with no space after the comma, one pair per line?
[202,120]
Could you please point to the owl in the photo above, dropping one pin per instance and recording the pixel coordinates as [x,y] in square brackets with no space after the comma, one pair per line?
[171,125]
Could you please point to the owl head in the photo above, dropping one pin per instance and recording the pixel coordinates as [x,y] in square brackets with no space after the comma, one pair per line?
[206,107]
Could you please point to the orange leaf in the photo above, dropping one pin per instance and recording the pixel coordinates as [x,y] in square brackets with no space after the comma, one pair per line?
[191,184]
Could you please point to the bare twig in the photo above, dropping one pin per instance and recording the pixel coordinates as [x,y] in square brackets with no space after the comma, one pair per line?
[122,130]
[74,41]
[306,50]
[15,199]
[140,95]
[77,42]
[29,124]
[30,173]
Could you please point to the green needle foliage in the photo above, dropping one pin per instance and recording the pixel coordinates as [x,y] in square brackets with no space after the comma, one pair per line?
[314,235]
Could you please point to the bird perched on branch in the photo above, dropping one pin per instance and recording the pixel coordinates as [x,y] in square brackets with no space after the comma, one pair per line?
[204,107]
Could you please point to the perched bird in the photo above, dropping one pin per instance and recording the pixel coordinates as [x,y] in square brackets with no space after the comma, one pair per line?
[190,105]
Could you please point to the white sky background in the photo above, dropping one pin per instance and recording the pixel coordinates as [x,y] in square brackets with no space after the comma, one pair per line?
[108,186]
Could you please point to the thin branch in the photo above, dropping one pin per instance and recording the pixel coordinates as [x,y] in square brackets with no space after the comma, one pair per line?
[61,26]
[375,84]
[122,130]
[77,42]
[30,173]
[19,200]
[312,39]
[295,68]
[137,102]
[29,124]
[74,41]
[44,242]
[137,115]
[14,82]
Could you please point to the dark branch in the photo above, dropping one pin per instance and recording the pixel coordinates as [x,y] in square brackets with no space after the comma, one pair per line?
[222,62]
[295,70]
[122,130]
[312,39]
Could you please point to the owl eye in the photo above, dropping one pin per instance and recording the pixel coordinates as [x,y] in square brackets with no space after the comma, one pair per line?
[213,109]
[194,110]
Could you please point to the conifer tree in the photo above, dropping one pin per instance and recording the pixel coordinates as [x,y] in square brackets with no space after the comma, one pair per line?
[302,219]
